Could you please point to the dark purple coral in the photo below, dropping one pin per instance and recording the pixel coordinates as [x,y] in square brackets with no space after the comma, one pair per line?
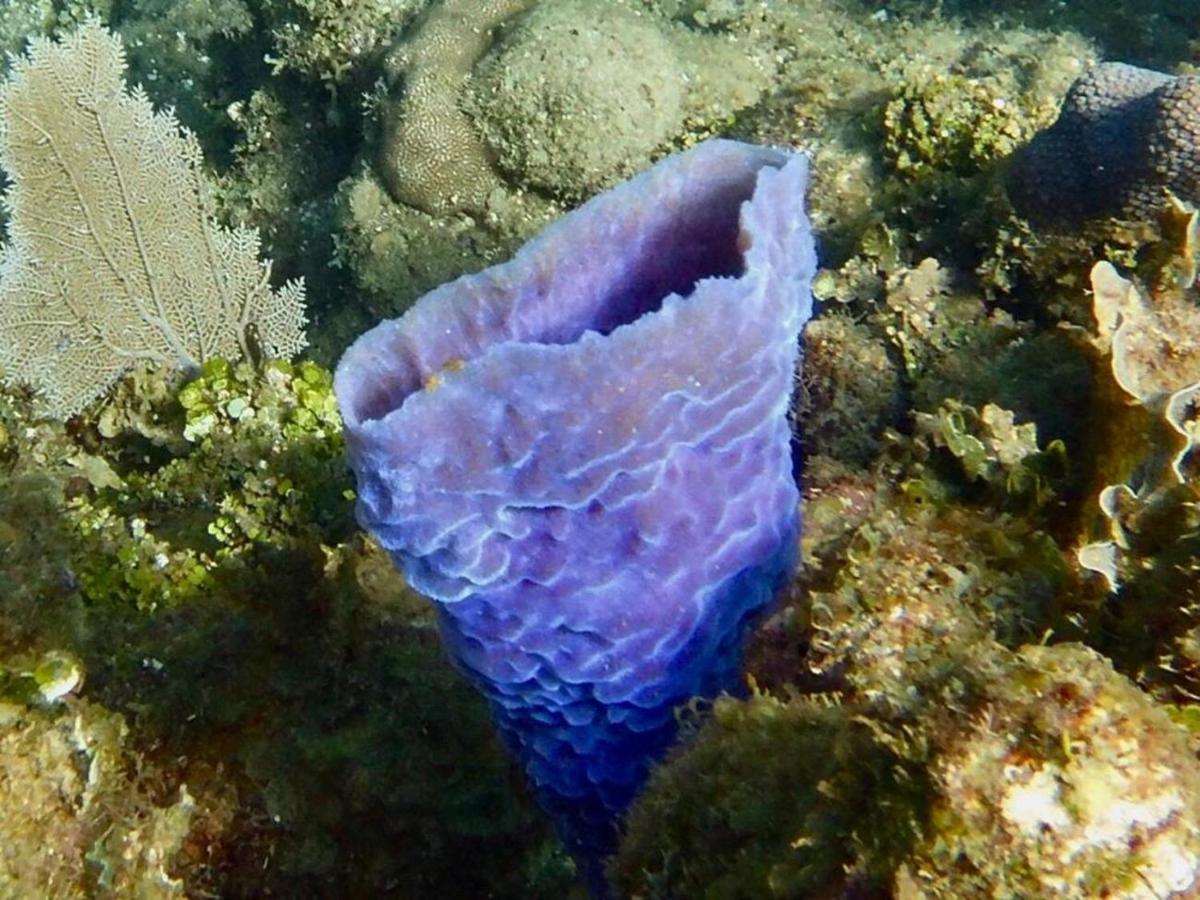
[582,457]
[1124,137]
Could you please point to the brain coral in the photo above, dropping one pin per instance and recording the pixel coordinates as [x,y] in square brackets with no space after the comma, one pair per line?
[569,101]
[1124,137]
[430,156]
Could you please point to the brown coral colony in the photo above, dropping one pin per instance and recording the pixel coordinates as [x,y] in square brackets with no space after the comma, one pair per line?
[1124,138]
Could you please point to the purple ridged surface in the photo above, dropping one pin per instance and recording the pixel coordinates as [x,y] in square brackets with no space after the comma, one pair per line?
[582,456]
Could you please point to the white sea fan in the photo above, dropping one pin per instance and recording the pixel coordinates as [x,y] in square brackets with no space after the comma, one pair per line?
[114,256]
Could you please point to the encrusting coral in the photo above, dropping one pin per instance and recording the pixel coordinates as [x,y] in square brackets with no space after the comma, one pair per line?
[114,257]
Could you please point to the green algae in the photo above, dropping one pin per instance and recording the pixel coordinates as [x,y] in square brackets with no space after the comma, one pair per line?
[211,584]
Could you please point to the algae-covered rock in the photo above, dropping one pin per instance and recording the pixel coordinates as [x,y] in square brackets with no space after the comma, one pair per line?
[1050,775]
[903,621]
[997,451]
[74,822]
[572,101]
[265,473]
[774,798]
[395,253]
[332,39]
[1068,782]
[956,122]
[851,389]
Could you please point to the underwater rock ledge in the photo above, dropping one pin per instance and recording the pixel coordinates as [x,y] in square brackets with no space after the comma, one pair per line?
[582,456]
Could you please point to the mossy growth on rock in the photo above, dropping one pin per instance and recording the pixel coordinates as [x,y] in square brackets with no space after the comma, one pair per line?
[850,389]
[1044,768]
[78,812]
[956,122]
[775,797]
[193,554]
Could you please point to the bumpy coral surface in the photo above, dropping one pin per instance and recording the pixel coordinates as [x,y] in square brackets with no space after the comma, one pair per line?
[431,156]
[538,445]
[1125,136]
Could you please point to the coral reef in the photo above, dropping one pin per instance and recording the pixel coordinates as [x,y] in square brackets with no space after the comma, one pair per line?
[211,684]
[395,256]
[564,597]
[1053,771]
[773,798]
[851,390]
[1148,32]
[195,56]
[924,759]
[1124,138]
[957,122]
[564,101]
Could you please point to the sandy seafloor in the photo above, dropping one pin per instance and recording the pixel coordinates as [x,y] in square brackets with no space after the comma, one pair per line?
[983,679]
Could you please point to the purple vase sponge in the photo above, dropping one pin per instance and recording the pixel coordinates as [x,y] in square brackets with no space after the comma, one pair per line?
[582,456]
